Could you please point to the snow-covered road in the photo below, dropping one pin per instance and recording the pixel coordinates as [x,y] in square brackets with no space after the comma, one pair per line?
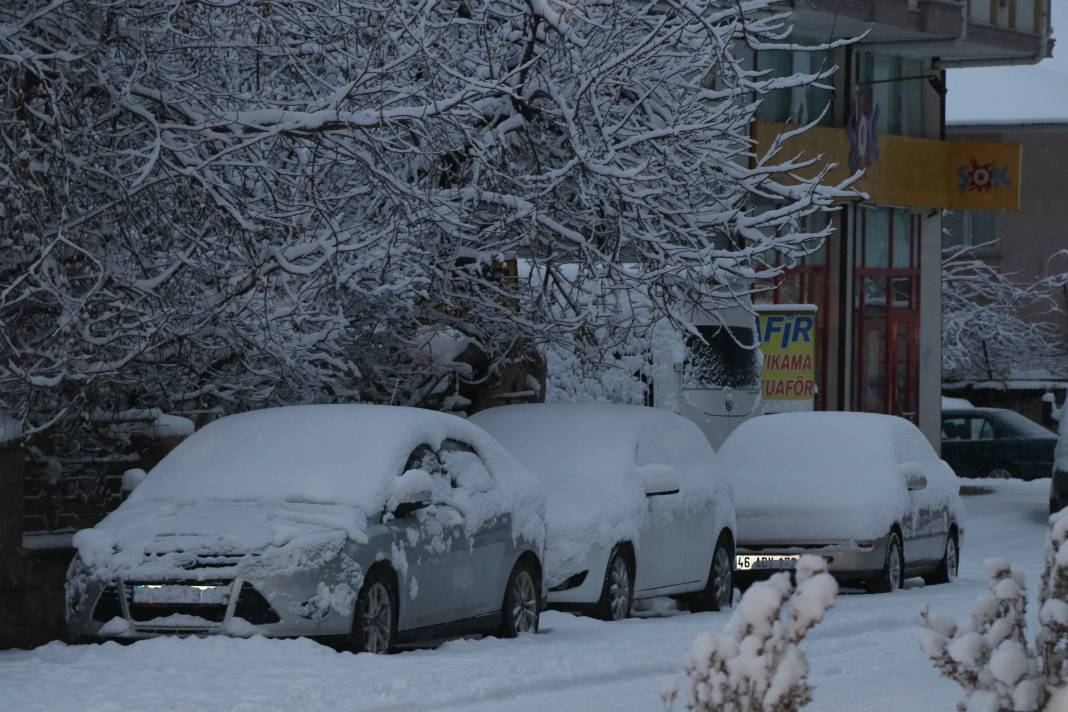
[865,656]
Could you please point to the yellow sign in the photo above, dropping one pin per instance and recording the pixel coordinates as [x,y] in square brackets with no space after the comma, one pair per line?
[788,343]
[912,172]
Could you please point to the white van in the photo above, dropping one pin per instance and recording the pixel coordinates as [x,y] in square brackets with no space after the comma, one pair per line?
[717,386]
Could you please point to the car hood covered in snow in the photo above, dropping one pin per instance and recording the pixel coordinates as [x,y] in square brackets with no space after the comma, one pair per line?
[815,477]
[200,540]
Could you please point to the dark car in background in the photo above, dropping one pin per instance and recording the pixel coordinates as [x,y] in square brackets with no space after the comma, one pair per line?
[994,442]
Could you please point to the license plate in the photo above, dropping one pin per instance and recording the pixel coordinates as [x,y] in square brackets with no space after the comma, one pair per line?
[750,562]
[159,594]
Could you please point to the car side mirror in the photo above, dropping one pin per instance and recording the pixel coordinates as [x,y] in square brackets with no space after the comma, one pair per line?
[915,481]
[412,491]
[658,479]
[412,502]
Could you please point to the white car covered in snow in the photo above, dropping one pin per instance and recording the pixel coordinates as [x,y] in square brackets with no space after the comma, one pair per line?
[635,506]
[866,492]
[370,525]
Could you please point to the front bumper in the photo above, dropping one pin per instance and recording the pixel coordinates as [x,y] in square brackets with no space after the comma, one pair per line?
[846,561]
[239,607]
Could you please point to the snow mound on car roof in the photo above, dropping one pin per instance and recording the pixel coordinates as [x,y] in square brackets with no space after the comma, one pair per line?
[811,477]
[339,455]
[586,456]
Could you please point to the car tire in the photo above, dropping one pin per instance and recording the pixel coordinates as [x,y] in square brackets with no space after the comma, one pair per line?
[521,611]
[374,619]
[718,593]
[893,573]
[617,593]
[1001,473]
[1055,506]
[950,564]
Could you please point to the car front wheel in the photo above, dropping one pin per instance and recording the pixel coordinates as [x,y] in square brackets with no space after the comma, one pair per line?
[618,590]
[521,611]
[893,573]
[374,622]
[718,593]
[947,570]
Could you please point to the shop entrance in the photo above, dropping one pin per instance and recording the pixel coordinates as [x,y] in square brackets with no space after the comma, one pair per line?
[886,299]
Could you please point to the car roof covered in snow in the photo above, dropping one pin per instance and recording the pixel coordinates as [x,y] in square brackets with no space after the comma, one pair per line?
[313,453]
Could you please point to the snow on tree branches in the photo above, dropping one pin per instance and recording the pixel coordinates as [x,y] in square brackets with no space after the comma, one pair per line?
[993,323]
[229,205]
[990,657]
[756,663]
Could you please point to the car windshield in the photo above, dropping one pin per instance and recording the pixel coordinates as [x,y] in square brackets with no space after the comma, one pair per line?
[1014,425]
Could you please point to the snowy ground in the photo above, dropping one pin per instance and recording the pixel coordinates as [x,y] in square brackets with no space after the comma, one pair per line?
[865,656]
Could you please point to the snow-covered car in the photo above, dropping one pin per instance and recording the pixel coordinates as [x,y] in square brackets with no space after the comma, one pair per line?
[370,526]
[634,504]
[866,492]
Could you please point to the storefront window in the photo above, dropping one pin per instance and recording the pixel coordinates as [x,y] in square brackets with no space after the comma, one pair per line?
[973,228]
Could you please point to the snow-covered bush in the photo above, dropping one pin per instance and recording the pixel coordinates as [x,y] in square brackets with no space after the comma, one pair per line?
[756,663]
[990,655]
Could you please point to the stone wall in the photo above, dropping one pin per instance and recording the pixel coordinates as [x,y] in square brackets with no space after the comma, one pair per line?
[31,580]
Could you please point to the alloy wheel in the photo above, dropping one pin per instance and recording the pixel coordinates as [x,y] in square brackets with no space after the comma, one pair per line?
[619,589]
[1000,473]
[378,619]
[895,565]
[723,585]
[952,559]
[524,603]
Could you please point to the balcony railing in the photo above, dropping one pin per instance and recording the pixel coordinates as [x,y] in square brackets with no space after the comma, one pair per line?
[1018,15]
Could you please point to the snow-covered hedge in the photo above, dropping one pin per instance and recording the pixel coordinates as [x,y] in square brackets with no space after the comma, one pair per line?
[756,663]
[990,655]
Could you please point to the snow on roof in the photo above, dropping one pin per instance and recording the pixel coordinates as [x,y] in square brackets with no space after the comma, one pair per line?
[949,403]
[335,454]
[1018,95]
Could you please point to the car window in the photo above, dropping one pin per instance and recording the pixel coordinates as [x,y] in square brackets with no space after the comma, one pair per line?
[465,468]
[982,429]
[423,458]
[966,427]
[956,427]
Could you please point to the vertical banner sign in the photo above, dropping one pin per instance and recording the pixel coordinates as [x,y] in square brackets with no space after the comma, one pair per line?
[788,345]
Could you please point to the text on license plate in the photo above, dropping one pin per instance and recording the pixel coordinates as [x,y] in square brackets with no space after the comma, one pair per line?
[154,594]
[747,562]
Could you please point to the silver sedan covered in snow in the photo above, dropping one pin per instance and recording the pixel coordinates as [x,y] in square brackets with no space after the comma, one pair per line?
[635,504]
[374,525]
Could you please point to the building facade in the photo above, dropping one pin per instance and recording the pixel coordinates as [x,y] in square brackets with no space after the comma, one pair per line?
[1028,245]
[877,281]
